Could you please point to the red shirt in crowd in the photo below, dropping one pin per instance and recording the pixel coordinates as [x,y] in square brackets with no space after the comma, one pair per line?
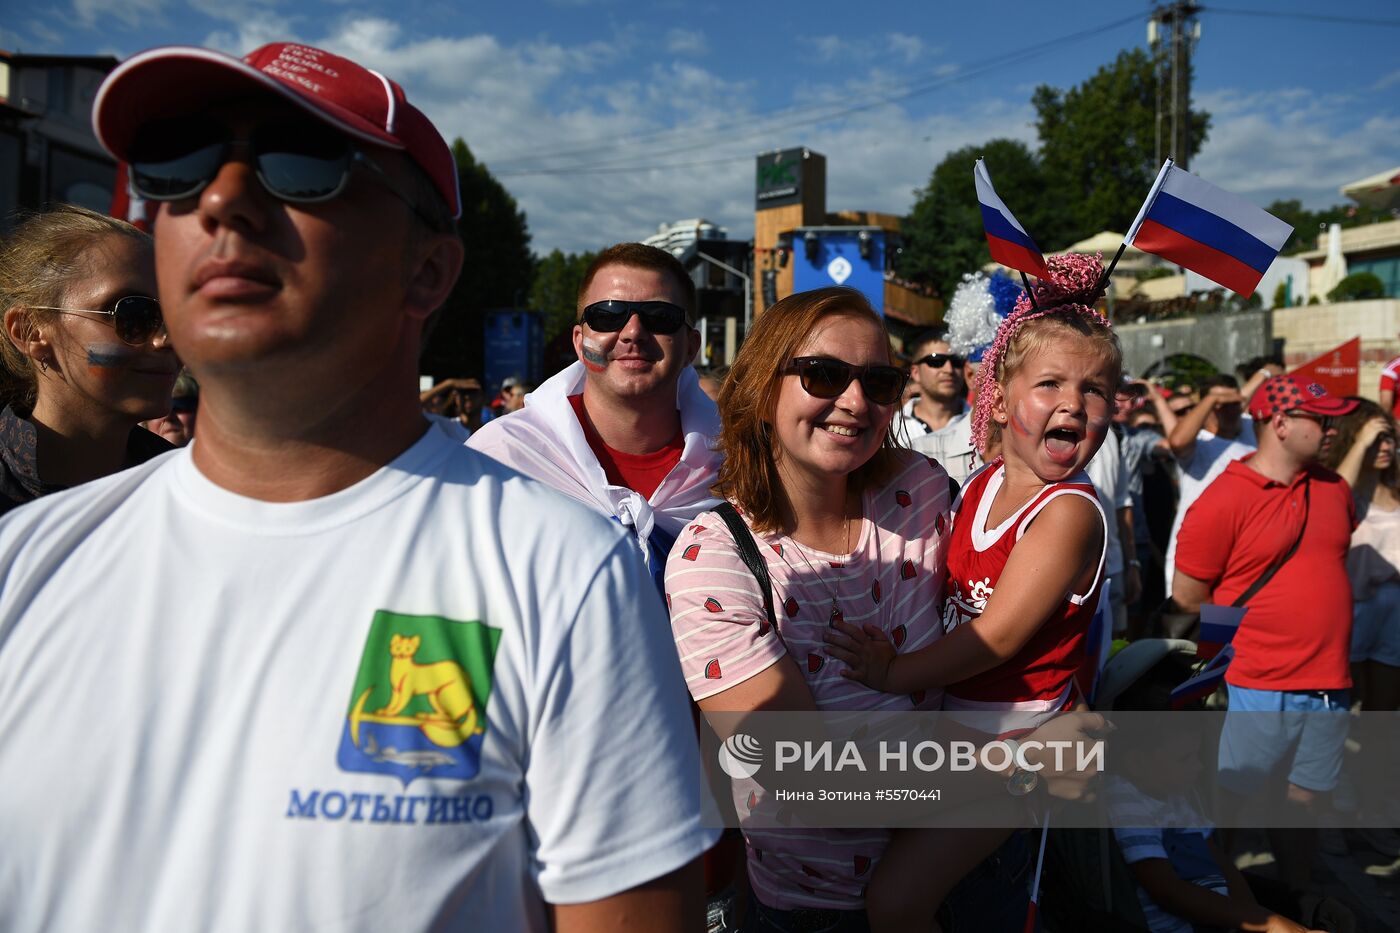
[1038,677]
[1390,379]
[641,473]
[1297,632]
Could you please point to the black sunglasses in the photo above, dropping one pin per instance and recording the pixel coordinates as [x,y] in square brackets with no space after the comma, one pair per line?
[302,163]
[936,360]
[1326,422]
[824,377]
[135,318]
[658,317]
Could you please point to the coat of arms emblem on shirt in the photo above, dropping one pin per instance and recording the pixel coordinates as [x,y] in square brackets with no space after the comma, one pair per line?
[963,605]
[418,706]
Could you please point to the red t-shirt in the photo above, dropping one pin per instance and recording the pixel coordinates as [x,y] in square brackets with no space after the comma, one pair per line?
[1297,632]
[1390,379]
[641,473]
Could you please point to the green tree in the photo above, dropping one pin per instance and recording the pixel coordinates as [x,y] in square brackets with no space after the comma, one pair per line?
[944,235]
[496,273]
[1358,286]
[1097,144]
[555,289]
[1308,225]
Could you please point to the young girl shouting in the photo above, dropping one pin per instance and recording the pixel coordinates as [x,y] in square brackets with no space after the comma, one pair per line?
[1024,563]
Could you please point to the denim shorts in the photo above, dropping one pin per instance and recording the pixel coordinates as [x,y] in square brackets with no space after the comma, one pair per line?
[1267,731]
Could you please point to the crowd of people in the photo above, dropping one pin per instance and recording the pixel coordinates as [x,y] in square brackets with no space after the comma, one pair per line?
[368,653]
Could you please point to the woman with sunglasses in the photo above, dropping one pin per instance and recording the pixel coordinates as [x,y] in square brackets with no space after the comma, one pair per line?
[85,354]
[1363,453]
[851,528]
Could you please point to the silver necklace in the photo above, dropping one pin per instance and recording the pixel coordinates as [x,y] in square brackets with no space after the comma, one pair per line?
[835,615]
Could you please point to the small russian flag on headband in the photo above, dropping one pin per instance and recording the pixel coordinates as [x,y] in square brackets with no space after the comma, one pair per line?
[1205,683]
[1208,230]
[1007,240]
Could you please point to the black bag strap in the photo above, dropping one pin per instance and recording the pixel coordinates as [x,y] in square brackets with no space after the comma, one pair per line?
[1273,568]
[748,551]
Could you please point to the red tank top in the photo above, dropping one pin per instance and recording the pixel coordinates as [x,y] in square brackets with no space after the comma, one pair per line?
[1039,676]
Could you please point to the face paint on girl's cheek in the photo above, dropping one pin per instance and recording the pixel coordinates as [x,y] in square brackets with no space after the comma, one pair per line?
[1097,428]
[594,357]
[1019,425]
[108,355]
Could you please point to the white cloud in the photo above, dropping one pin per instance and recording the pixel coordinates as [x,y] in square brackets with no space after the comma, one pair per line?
[1292,143]
[516,101]
[829,48]
[130,12]
[253,31]
[33,36]
[1388,81]
[897,47]
[686,42]
[910,48]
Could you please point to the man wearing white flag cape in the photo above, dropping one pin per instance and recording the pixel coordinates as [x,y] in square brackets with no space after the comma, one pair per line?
[627,429]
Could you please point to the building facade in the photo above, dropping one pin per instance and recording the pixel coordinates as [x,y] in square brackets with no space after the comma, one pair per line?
[48,153]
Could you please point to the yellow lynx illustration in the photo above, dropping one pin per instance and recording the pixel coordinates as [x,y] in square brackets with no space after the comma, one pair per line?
[444,683]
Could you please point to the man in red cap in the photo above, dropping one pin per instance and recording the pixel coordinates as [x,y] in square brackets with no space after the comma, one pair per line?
[384,689]
[1274,529]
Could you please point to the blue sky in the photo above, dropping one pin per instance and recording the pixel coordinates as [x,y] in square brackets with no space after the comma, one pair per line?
[607,117]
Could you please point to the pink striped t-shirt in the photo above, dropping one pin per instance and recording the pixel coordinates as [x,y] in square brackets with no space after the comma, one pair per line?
[892,578]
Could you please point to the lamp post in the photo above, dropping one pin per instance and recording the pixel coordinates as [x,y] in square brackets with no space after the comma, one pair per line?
[748,286]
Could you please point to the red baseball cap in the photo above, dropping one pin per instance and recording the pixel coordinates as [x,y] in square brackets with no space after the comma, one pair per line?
[173,81]
[1290,393]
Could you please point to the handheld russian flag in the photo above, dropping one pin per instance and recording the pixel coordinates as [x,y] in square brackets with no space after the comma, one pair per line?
[1218,627]
[1007,240]
[1208,230]
[1205,683]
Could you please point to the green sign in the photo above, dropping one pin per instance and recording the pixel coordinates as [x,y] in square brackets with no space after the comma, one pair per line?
[779,178]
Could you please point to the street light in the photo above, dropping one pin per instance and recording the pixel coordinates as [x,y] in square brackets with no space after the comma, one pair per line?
[748,286]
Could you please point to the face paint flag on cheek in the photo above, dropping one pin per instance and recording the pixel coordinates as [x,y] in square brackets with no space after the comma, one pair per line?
[108,355]
[593,356]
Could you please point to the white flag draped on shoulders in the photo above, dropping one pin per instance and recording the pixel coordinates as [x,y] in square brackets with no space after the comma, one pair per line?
[544,440]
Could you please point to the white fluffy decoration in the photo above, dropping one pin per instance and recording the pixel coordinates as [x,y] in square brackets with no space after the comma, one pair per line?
[972,317]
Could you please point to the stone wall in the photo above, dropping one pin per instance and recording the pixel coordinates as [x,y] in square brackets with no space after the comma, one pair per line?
[1312,330]
[1223,339]
[1303,332]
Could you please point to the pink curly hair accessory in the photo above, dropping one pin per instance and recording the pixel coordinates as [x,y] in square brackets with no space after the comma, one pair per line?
[1076,282]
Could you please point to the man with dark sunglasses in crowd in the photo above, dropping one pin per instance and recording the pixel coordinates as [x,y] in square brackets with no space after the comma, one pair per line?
[936,423]
[385,689]
[626,430]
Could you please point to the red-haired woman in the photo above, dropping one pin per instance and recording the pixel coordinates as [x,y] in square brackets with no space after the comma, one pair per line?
[852,528]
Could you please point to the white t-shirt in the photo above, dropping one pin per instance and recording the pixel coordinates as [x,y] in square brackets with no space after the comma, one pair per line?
[427,701]
[951,446]
[1210,458]
[1111,483]
[909,426]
